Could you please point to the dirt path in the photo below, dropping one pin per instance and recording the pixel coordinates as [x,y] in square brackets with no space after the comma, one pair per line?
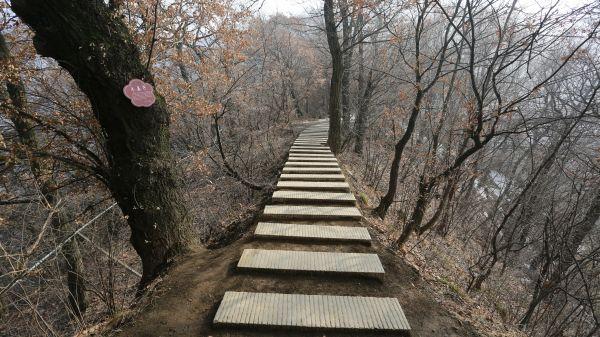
[186,301]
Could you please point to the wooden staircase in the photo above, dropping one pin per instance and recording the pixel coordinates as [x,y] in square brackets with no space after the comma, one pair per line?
[312,188]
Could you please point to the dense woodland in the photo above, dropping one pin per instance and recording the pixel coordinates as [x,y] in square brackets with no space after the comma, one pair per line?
[470,131]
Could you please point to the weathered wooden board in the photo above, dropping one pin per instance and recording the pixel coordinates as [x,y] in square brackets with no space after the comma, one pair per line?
[313,185]
[307,212]
[309,164]
[311,311]
[309,151]
[311,170]
[312,155]
[318,232]
[293,157]
[312,177]
[299,197]
[305,261]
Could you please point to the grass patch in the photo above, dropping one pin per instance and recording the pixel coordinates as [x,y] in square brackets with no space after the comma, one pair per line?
[452,286]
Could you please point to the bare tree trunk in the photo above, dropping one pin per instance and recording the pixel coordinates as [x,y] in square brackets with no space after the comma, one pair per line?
[420,91]
[295,100]
[347,51]
[335,87]
[43,174]
[363,114]
[388,198]
[96,48]
[365,90]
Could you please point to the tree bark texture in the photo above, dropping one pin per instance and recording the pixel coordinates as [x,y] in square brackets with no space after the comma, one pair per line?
[96,48]
[335,87]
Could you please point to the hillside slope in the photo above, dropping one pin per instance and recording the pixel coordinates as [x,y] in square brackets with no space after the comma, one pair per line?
[186,300]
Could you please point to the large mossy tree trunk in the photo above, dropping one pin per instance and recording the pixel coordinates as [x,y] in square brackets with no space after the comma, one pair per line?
[335,88]
[96,48]
[13,92]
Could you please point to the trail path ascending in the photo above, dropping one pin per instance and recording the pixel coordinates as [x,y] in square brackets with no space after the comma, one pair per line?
[311,188]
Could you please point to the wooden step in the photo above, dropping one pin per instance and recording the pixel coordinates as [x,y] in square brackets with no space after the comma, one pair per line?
[312,155]
[309,151]
[316,147]
[308,164]
[311,170]
[312,177]
[311,312]
[308,197]
[320,146]
[292,157]
[313,185]
[313,148]
[305,261]
[318,232]
[308,143]
[308,212]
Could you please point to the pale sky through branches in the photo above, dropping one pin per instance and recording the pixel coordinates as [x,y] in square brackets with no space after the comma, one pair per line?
[299,7]
[288,7]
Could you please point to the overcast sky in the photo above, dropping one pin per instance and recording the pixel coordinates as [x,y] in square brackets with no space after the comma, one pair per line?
[297,7]
[289,7]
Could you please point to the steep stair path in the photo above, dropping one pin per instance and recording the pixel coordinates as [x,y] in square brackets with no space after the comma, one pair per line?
[311,190]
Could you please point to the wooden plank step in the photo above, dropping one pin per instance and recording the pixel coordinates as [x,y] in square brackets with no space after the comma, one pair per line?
[312,177]
[316,147]
[311,197]
[324,150]
[308,212]
[313,155]
[305,261]
[311,170]
[311,311]
[309,143]
[309,152]
[309,164]
[313,185]
[296,231]
[292,157]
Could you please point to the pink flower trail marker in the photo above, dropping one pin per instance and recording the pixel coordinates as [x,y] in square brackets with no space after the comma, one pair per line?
[140,93]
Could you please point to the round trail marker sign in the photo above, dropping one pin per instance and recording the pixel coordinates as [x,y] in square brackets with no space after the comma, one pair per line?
[140,93]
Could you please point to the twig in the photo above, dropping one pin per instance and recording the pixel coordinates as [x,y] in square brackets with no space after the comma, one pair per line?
[110,256]
[53,252]
[153,35]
